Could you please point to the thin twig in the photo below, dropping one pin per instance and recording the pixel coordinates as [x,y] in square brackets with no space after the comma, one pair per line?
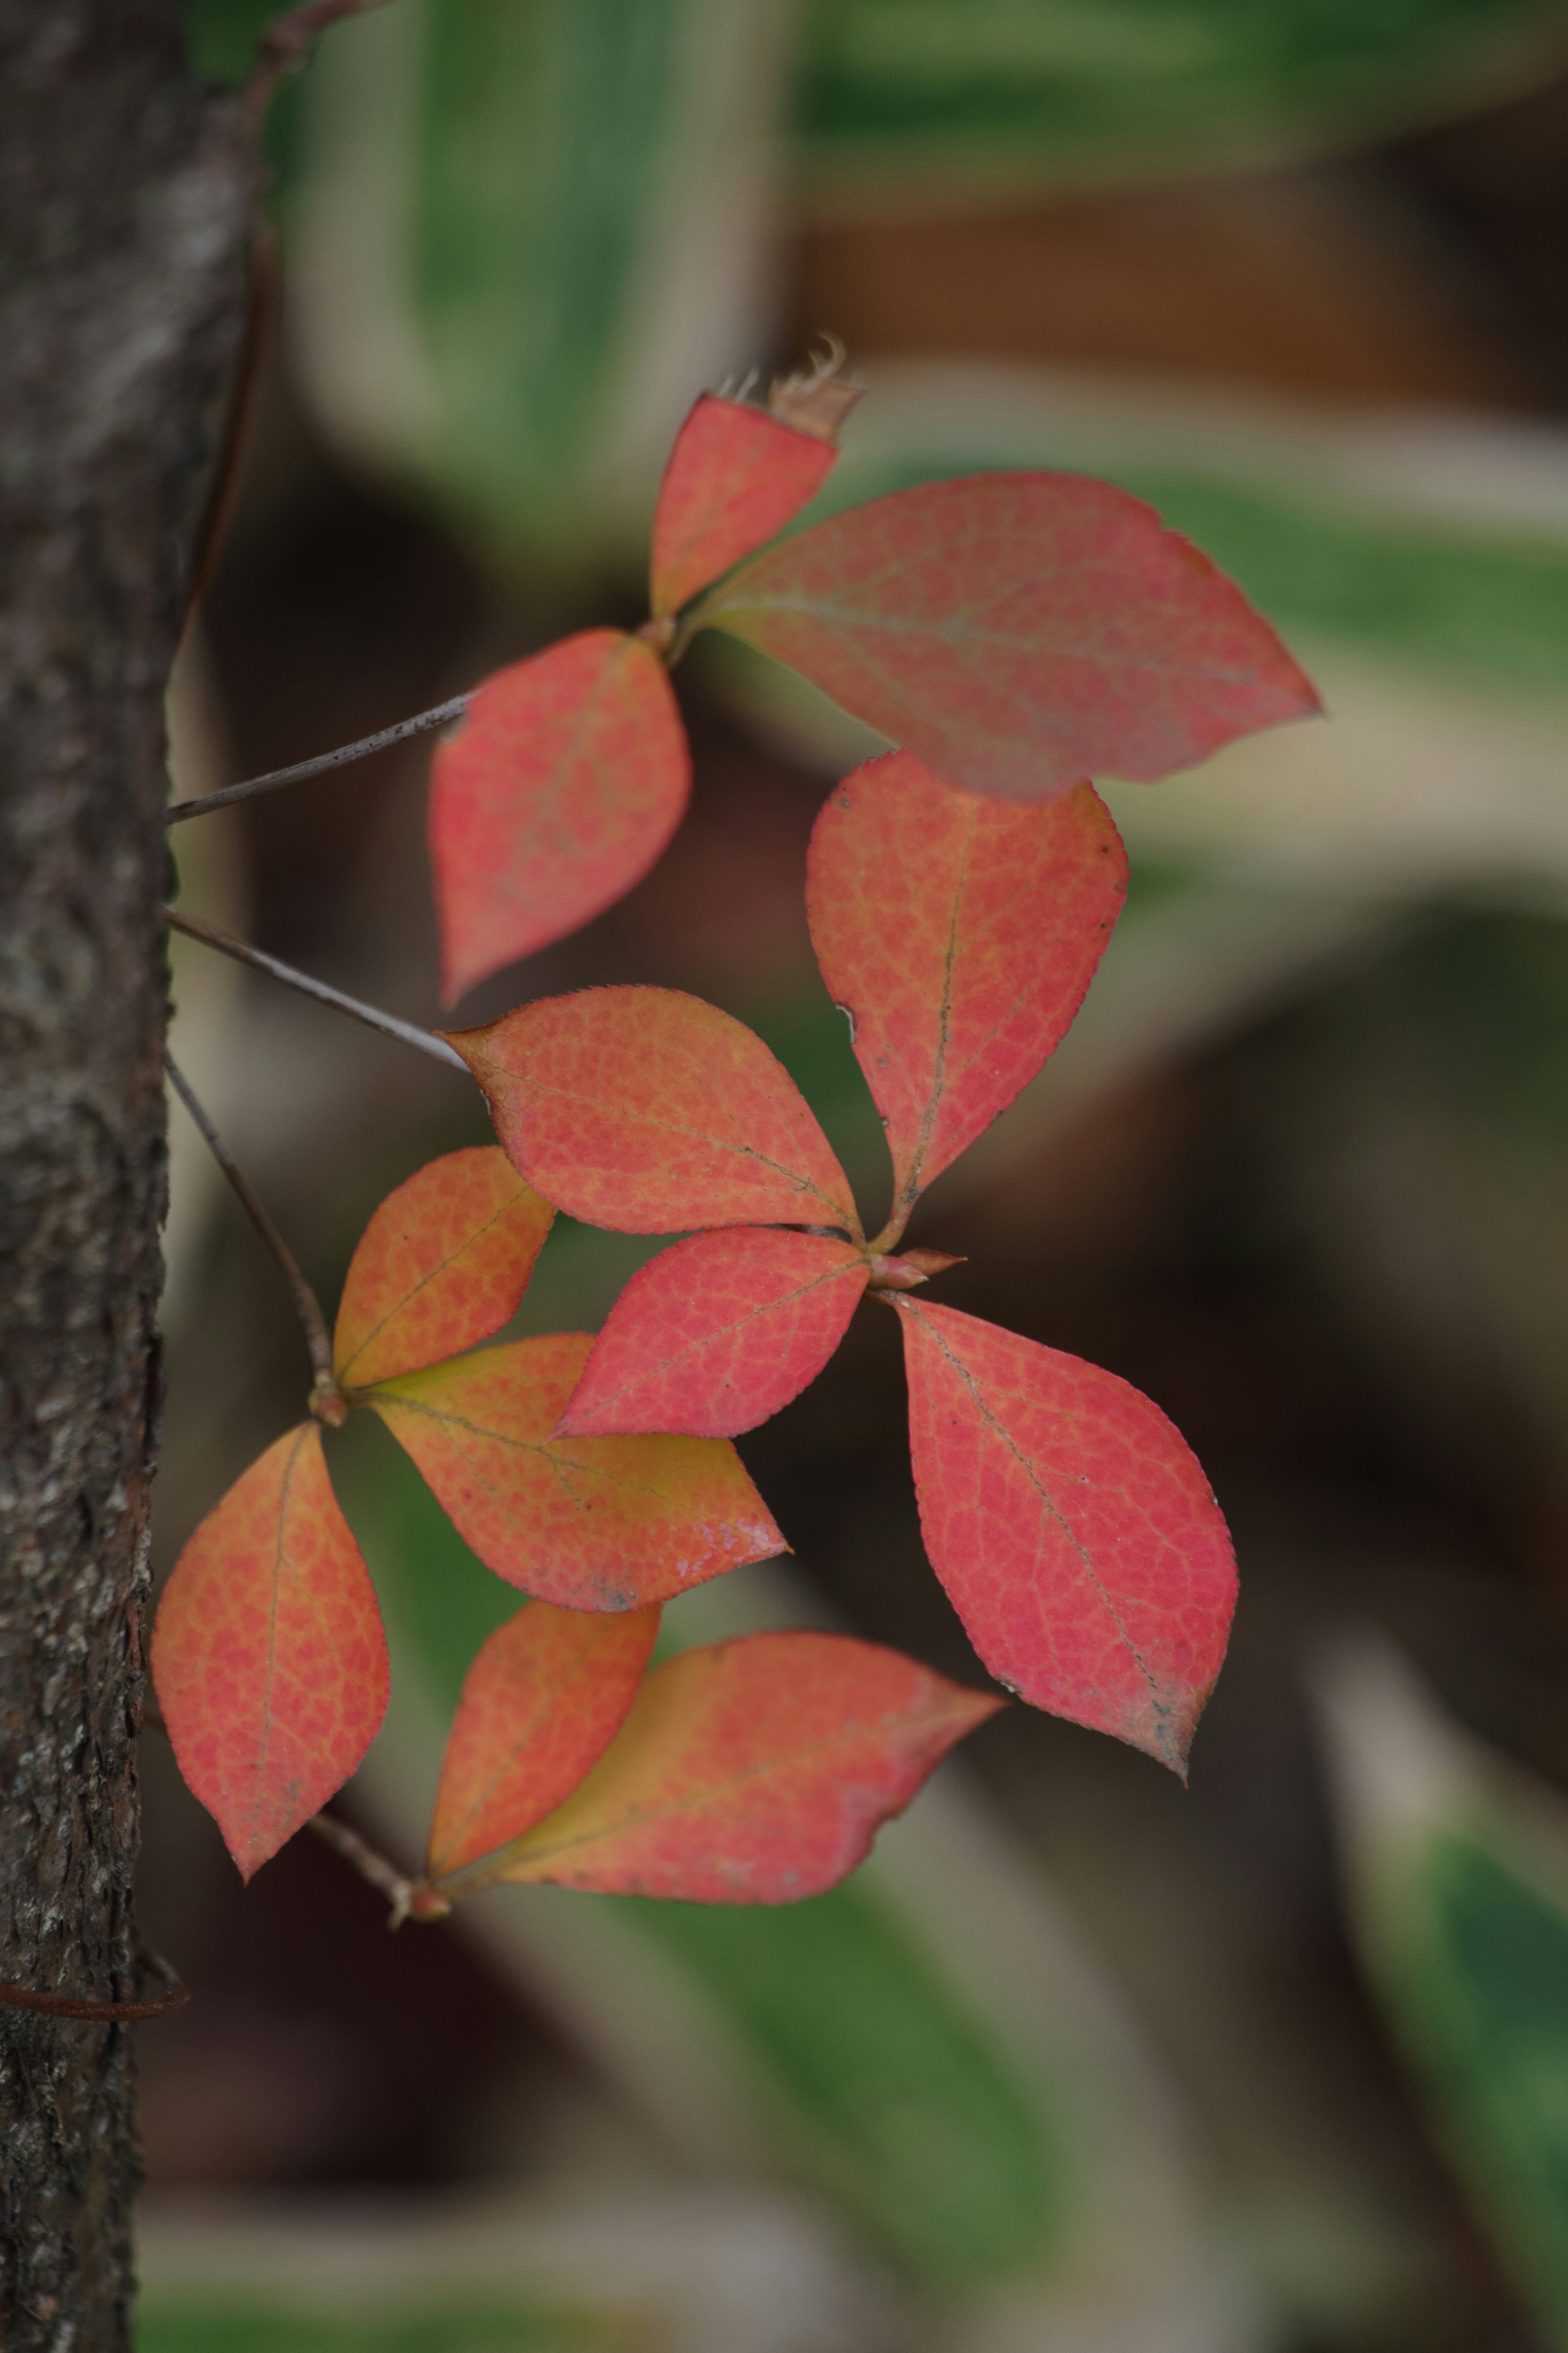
[64,2005]
[407,1032]
[420,724]
[285,46]
[327,1400]
[382,1874]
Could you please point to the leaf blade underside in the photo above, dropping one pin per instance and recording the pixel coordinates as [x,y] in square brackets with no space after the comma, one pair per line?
[1018,632]
[647,1111]
[1073,1529]
[754,1771]
[591,1524]
[268,1655]
[560,789]
[719,1333]
[735,475]
[442,1264]
[543,1698]
[960,935]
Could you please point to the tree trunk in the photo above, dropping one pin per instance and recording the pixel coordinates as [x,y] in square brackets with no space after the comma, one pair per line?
[126,190]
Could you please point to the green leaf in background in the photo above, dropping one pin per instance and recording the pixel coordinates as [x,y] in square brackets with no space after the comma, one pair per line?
[1458,1868]
[529,233]
[240,2323]
[900,97]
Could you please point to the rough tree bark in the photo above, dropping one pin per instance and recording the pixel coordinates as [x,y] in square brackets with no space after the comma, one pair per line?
[125,191]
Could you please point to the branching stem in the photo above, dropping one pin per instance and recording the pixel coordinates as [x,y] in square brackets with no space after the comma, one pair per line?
[420,724]
[326,1398]
[285,46]
[407,1033]
[383,1875]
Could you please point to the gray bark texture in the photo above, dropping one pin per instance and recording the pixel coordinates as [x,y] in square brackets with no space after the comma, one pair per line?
[124,198]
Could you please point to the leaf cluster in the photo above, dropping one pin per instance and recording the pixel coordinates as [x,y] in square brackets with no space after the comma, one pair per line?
[1014,634]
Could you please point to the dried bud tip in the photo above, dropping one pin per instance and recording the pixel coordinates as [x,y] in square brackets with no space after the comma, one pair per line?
[910,1270]
[818,400]
[429,1904]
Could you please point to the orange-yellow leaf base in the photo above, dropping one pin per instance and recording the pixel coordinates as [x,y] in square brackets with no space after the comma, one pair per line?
[585,1523]
[443,1264]
[754,1772]
[542,1702]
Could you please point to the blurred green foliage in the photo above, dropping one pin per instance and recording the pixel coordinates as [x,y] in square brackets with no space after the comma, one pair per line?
[1042,89]
[239,2323]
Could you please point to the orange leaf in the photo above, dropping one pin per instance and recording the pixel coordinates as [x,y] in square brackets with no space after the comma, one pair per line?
[959,935]
[587,1523]
[442,1264]
[647,1111]
[754,1772]
[718,1334]
[1075,1533]
[1018,632]
[568,776]
[267,1657]
[542,1702]
[735,477]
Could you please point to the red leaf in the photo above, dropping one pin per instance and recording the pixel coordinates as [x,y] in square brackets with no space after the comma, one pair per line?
[1071,1527]
[646,1111]
[755,1772]
[718,1334]
[542,1702]
[587,1523]
[442,1264]
[267,1657]
[1018,632]
[735,477]
[568,776]
[959,935]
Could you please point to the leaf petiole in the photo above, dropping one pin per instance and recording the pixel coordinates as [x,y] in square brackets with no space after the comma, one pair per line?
[327,1402]
[399,733]
[407,1033]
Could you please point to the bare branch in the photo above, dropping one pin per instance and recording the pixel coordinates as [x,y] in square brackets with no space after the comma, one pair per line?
[407,1032]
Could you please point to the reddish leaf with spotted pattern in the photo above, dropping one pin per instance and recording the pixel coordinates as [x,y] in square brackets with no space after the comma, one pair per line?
[753,1772]
[564,781]
[585,1523]
[542,1702]
[959,934]
[719,1333]
[646,1110]
[735,477]
[1073,1530]
[442,1264]
[267,1656]
[1018,632]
